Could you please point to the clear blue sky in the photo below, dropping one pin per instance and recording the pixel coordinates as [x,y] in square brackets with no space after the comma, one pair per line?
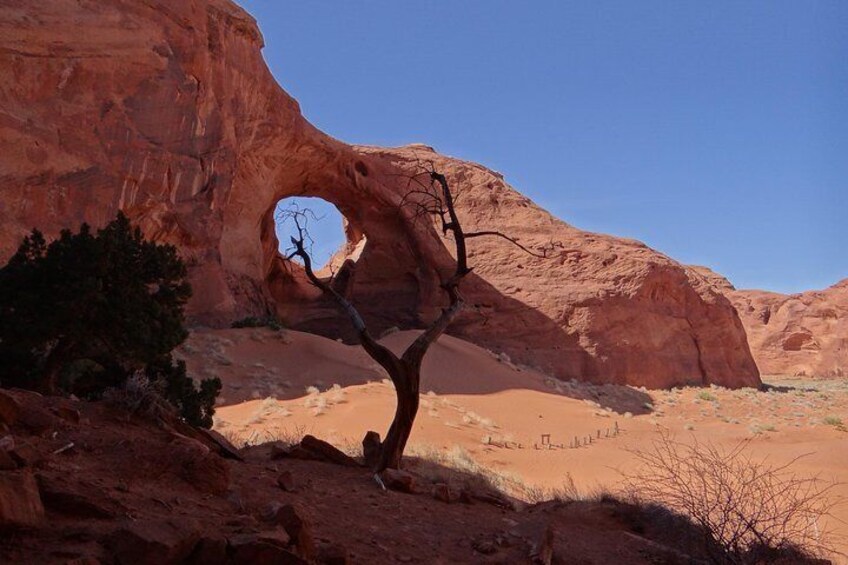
[716,132]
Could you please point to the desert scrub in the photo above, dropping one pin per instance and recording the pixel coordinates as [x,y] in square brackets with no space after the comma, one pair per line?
[317,403]
[337,394]
[271,407]
[833,421]
[288,436]
[749,509]
[757,429]
[472,418]
[458,468]
[257,322]
[707,396]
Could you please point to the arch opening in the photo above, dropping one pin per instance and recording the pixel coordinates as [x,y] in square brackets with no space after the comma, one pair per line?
[335,243]
[330,237]
[323,225]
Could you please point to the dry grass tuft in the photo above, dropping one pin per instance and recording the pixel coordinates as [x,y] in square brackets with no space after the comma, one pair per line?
[707,396]
[287,435]
[458,468]
[833,421]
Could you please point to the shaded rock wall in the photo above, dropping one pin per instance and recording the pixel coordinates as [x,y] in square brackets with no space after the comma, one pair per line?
[167,111]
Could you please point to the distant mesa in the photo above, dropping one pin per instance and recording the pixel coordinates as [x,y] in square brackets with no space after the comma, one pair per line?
[803,334]
[167,111]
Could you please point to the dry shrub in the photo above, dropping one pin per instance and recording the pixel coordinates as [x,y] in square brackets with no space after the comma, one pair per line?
[286,435]
[566,492]
[337,394]
[270,407]
[457,467]
[138,395]
[834,421]
[751,511]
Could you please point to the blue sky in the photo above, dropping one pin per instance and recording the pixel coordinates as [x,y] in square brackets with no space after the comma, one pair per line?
[715,132]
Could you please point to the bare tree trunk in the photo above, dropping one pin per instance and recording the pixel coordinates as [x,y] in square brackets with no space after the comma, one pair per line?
[405,372]
[407,393]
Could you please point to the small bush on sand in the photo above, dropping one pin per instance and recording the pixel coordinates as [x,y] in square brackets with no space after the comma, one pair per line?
[317,403]
[707,396]
[758,429]
[566,492]
[457,467]
[833,421]
[337,394]
[270,407]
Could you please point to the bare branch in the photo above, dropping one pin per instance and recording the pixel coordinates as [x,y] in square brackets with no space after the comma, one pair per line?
[378,352]
[747,507]
[512,240]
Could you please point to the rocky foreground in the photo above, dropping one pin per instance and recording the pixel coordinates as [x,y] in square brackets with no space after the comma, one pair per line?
[86,483]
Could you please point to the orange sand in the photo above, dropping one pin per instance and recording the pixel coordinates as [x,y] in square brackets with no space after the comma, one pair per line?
[479,405]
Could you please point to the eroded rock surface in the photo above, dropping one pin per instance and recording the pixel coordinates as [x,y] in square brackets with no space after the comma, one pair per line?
[167,111]
[793,334]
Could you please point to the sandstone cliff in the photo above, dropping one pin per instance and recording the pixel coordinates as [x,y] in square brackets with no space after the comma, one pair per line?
[167,111]
[793,334]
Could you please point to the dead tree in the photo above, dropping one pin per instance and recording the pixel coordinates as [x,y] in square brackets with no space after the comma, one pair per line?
[433,197]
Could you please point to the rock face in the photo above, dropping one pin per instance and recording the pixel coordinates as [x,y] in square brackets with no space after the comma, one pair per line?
[167,111]
[794,334]
[20,503]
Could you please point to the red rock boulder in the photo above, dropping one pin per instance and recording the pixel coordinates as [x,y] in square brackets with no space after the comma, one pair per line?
[20,502]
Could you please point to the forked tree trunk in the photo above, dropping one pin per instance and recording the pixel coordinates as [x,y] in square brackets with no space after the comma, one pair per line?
[404,371]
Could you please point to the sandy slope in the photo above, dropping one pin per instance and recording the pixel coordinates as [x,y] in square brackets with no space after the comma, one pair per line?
[479,406]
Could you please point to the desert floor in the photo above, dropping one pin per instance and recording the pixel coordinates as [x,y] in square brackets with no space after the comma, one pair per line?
[478,410]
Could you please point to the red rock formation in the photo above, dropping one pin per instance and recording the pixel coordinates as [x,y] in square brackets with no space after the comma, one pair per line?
[167,111]
[795,334]
[602,308]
